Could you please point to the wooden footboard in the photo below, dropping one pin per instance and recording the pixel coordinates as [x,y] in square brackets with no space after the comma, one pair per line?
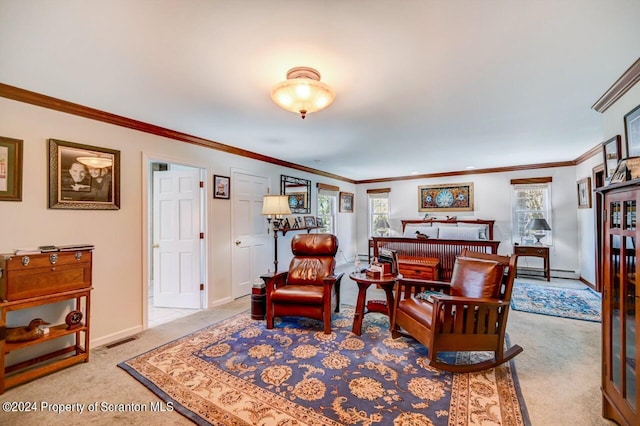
[444,250]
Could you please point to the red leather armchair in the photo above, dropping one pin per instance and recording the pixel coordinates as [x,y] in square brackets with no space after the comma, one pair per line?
[309,288]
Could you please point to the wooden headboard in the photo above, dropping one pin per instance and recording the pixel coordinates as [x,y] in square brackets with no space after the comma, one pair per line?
[489,223]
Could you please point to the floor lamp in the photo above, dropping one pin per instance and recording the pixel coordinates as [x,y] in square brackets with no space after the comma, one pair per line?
[276,206]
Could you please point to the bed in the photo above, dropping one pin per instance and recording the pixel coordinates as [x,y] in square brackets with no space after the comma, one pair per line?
[425,240]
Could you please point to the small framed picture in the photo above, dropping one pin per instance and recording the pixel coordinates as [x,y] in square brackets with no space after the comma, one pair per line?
[309,222]
[346,202]
[221,187]
[632,132]
[620,174]
[10,169]
[319,222]
[612,155]
[83,177]
[584,193]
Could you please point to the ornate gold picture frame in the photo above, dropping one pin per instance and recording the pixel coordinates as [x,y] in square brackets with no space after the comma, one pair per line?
[453,197]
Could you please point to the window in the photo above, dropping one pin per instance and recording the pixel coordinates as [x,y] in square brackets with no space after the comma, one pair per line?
[531,201]
[379,212]
[327,211]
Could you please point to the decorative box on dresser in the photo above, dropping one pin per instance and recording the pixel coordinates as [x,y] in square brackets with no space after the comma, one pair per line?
[620,303]
[34,280]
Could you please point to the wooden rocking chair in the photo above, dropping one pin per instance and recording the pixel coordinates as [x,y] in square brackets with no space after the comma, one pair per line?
[468,314]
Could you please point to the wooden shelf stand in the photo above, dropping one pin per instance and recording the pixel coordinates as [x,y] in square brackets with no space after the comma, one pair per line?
[40,280]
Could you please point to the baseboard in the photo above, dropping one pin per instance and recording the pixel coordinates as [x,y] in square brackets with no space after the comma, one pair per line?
[555,273]
[115,336]
[220,302]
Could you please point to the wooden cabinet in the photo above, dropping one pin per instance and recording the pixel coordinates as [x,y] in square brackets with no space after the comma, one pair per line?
[620,303]
[28,281]
[422,269]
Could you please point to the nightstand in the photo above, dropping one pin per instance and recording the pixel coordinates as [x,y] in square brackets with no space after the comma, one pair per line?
[535,251]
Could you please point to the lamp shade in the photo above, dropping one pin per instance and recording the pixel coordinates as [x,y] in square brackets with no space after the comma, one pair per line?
[538,225]
[302,92]
[382,222]
[275,205]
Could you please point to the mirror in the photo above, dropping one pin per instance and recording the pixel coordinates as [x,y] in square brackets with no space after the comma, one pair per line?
[299,192]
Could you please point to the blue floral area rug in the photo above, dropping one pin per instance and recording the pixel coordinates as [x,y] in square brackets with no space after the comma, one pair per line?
[239,373]
[583,304]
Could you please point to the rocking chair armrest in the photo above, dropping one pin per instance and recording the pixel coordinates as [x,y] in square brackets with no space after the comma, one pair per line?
[405,287]
[445,299]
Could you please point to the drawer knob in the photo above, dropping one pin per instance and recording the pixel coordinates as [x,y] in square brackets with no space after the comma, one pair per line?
[25,260]
[78,255]
[53,258]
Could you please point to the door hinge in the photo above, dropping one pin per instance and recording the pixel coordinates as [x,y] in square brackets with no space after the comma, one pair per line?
[201,184]
[202,235]
[201,287]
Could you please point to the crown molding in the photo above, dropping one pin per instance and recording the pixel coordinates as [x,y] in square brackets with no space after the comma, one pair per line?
[626,81]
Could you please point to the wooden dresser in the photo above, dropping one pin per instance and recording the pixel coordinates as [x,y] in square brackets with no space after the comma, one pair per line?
[32,280]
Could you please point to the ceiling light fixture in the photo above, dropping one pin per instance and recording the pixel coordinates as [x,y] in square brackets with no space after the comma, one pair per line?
[302,92]
[96,162]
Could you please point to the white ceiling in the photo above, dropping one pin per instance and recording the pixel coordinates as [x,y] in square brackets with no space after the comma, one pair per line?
[421,86]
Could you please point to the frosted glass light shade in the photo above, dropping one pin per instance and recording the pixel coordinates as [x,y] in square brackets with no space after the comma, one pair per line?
[275,205]
[302,92]
[95,162]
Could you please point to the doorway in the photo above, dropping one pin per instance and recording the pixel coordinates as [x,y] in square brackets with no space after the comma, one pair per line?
[176,213]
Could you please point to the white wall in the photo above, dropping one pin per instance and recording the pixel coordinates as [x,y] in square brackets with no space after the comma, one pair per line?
[586,222]
[118,236]
[492,200]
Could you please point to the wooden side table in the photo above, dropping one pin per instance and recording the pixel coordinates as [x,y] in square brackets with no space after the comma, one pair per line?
[386,282]
[535,251]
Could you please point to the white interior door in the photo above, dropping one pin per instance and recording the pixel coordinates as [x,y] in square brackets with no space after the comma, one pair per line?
[251,251]
[176,239]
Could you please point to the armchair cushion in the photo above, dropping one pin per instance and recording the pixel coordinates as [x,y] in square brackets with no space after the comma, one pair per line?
[307,270]
[477,278]
[302,295]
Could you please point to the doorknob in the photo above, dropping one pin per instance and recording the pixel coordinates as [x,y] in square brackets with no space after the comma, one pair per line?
[238,242]
[156,245]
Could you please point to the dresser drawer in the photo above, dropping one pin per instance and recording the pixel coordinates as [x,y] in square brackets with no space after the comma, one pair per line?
[42,274]
[531,251]
[419,270]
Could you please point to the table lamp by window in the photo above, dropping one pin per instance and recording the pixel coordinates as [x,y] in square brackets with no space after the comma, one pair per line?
[276,206]
[539,227]
[382,225]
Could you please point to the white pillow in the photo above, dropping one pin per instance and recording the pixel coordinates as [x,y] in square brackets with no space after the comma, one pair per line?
[410,231]
[484,229]
[460,233]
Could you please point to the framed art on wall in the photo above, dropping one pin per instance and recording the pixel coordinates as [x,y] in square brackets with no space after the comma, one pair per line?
[10,169]
[632,132]
[309,222]
[584,193]
[346,202]
[221,187]
[83,177]
[611,151]
[446,197]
